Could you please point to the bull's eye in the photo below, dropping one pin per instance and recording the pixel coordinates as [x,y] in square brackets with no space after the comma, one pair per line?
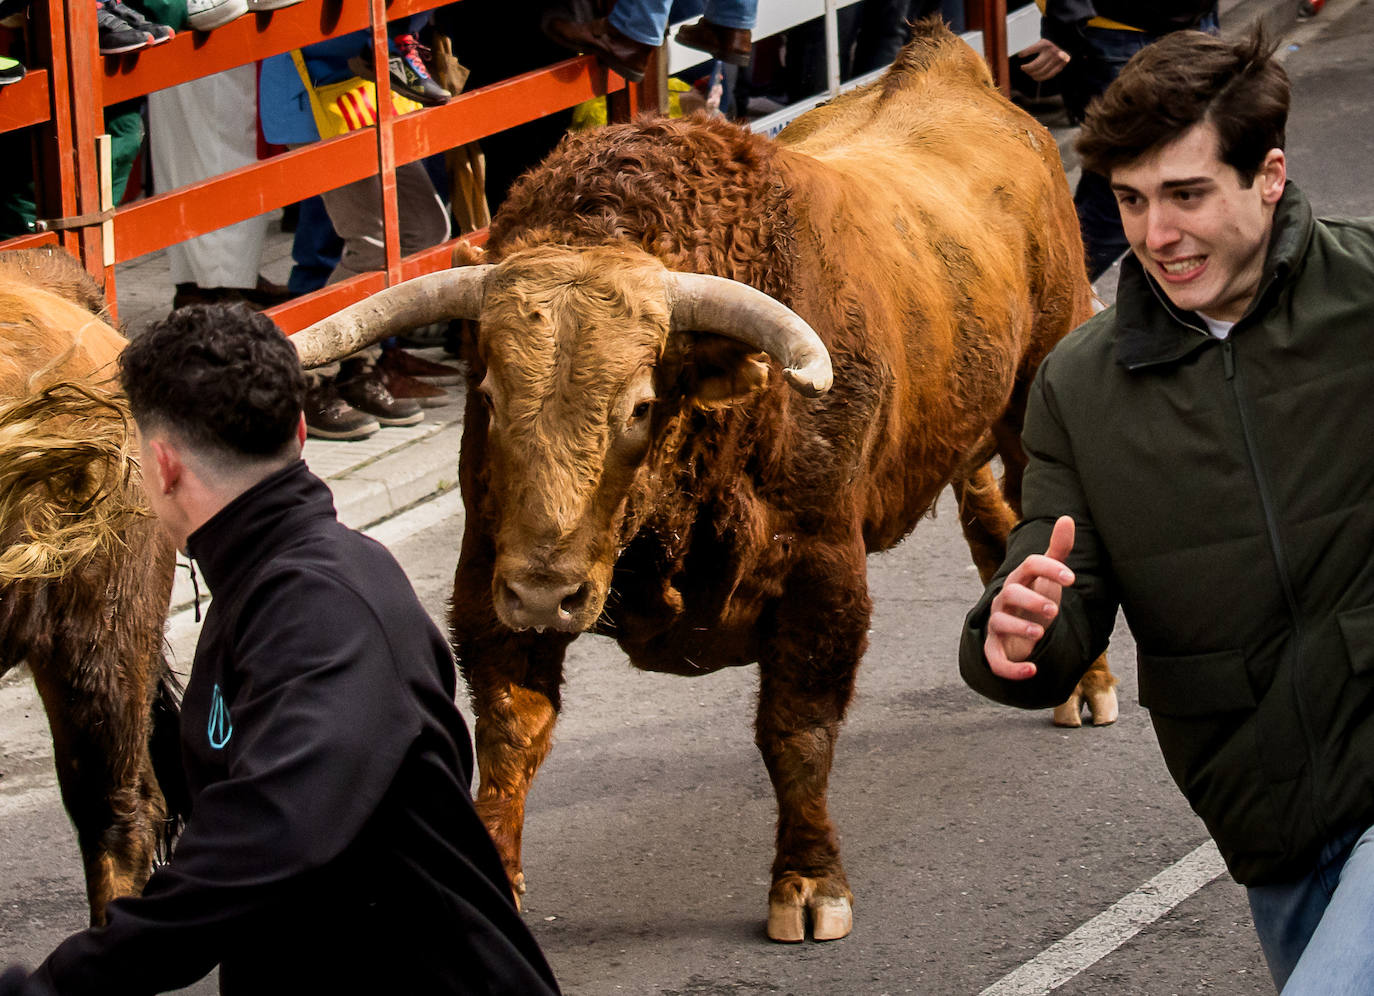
[641,410]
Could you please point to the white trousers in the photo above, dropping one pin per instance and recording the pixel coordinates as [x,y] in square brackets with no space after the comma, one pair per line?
[198,130]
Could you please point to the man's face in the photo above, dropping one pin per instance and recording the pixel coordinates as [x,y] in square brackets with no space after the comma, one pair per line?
[1194,227]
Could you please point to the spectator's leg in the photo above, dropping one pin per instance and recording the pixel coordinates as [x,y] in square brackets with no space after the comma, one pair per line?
[643,20]
[738,14]
[315,248]
[882,33]
[198,130]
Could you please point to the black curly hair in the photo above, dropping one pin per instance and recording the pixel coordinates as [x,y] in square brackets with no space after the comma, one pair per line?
[224,379]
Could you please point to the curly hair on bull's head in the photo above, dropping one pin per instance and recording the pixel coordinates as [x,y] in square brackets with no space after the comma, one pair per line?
[224,379]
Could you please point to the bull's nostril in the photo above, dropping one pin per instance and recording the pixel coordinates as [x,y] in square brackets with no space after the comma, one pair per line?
[511,597]
[574,602]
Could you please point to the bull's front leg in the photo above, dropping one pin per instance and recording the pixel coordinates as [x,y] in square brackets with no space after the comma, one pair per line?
[515,683]
[806,681]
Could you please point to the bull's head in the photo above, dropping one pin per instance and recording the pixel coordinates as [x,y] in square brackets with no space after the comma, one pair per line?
[574,344]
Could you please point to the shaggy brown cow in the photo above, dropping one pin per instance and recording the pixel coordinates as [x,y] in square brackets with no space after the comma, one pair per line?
[633,465]
[85,574]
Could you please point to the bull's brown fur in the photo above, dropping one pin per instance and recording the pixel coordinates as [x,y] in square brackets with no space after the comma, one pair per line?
[86,572]
[923,227]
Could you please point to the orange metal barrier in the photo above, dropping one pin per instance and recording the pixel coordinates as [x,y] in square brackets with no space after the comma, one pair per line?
[69,85]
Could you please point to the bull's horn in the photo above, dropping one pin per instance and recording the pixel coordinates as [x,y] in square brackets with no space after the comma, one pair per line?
[715,304]
[434,297]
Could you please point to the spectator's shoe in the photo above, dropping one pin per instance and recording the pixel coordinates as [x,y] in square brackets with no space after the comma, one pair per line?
[159,32]
[409,365]
[258,6]
[409,77]
[11,70]
[600,38]
[116,34]
[328,416]
[361,386]
[206,15]
[729,44]
[405,388]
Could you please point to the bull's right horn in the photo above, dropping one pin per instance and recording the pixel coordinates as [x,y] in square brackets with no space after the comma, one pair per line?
[706,303]
[433,297]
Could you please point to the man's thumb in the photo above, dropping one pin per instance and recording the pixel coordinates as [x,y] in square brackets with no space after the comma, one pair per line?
[1061,540]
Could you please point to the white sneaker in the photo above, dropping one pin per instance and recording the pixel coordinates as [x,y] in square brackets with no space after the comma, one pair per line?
[259,5]
[206,15]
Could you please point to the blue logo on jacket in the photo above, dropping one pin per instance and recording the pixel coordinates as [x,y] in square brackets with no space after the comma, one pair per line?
[221,727]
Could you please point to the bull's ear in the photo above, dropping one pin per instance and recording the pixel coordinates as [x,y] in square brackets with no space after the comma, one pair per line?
[720,372]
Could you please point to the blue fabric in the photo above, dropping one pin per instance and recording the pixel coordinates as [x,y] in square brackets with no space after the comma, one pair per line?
[284,106]
[315,249]
[1318,932]
[646,21]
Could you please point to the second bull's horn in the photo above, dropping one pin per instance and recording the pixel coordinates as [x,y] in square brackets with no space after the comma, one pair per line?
[434,297]
[705,303]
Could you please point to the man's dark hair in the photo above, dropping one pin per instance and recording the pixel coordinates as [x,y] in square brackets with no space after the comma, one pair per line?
[1183,79]
[224,379]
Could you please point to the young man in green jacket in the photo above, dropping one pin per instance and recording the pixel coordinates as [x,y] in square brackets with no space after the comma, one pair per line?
[1191,462]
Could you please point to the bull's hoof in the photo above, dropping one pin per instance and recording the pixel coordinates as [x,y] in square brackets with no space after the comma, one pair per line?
[1103,707]
[517,888]
[1070,713]
[832,917]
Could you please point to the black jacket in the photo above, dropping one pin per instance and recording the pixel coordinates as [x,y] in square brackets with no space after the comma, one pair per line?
[332,846]
[1224,496]
[1065,20]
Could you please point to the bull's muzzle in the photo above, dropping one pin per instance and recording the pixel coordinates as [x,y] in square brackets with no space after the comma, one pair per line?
[544,603]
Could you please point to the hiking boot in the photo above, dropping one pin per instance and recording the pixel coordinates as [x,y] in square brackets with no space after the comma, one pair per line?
[409,77]
[206,15]
[731,45]
[11,70]
[328,416]
[159,32]
[361,386]
[116,34]
[409,365]
[600,38]
[405,388]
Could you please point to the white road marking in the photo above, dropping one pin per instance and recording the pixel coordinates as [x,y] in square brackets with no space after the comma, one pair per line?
[1113,927]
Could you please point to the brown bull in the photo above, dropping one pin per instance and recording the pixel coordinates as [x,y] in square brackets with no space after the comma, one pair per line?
[633,464]
[85,574]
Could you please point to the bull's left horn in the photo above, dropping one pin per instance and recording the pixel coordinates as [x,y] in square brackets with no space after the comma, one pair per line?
[431,298]
[707,303]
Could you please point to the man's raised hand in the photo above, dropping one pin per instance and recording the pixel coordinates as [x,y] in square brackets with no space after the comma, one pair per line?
[1027,604]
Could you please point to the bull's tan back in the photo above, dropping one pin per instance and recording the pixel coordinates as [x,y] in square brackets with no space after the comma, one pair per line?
[45,339]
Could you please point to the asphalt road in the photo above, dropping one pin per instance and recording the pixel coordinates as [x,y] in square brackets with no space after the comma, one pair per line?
[975,837]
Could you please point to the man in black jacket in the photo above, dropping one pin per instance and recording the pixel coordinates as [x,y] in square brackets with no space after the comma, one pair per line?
[332,845]
[1190,461]
[1085,44]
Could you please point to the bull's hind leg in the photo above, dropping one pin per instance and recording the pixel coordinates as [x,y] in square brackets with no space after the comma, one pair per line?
[806,680]
[515,682]
[987,518]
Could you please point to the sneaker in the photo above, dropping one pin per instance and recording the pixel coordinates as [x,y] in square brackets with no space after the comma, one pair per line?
[410,365]
[11,70]
[409,77]
[328,416]
[116,34]
[258,6]
[361,386]
[159,32]
[206,15]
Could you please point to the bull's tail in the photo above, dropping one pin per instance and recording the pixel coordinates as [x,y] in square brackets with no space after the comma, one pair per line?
[164,748]
[68,485]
